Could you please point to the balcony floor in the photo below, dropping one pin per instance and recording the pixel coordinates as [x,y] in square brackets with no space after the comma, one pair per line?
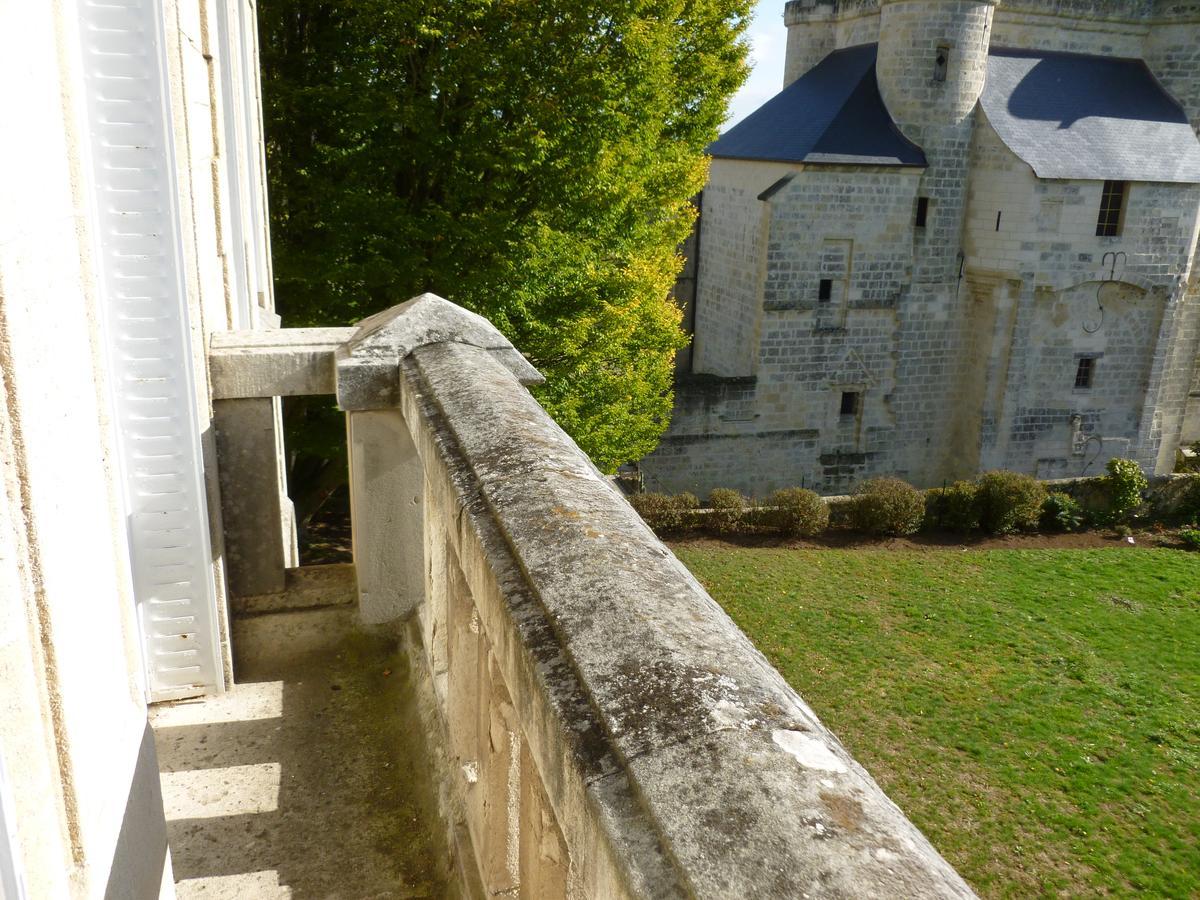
[309,778]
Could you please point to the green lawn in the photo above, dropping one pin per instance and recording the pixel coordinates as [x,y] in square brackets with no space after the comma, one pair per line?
[1035,712]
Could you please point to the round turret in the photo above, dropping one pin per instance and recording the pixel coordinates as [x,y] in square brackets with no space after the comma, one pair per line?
[932,60]
[811,35]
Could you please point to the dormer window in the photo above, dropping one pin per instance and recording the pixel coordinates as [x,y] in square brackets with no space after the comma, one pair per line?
[941,61]
[1112,206]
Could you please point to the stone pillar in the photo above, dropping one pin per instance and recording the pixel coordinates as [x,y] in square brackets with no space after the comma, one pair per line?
[544,860]
[387,479]
[252,499]
[386,514]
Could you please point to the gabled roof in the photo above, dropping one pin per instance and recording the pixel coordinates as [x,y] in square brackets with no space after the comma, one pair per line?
[831,114]
[1070,115]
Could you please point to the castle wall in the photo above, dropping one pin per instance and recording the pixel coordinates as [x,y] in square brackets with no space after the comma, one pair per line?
[1047,227]
[1173,54]
[874,336]
[1035,27]
[963,362]
[934,114]
[814,29]
[861,29]
[811,36]
[1039,235]
[731,254]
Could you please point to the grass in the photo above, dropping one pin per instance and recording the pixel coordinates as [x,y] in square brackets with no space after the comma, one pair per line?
[1035,712]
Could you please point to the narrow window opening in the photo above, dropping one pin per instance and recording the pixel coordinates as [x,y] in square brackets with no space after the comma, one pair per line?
[999,213]
[922,211]
[851,401]
[825,290]
[1085,371]
[941,61]
[1112,204]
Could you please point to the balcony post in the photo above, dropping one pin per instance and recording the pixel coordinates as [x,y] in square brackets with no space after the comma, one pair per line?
[386,517]
[260,529]
[387,481]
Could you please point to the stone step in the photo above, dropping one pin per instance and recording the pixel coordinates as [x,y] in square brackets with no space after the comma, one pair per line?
[305,587]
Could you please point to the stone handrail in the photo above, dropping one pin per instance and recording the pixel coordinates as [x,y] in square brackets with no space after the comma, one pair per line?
[606,730]
[612,732]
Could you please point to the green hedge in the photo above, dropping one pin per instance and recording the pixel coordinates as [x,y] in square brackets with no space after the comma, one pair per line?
[998,502]
[887,506]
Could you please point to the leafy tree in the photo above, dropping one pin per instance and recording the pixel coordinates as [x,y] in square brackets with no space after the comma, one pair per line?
[532,161]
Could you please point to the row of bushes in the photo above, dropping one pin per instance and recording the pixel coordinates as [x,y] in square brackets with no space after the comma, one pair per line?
[996,502]
[791,511]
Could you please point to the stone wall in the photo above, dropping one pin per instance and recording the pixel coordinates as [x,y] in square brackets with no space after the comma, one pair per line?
[733,260]
[961,337]
[877,336]
[1040,235]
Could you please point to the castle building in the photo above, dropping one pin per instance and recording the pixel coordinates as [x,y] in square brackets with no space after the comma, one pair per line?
[962,237]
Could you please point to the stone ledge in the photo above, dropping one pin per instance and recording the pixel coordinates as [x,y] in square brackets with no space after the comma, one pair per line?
[368,362]
[284,362]
[744,788]
[306,587]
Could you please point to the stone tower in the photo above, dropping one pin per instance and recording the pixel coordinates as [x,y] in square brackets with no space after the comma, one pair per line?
[931,68]
[961,237]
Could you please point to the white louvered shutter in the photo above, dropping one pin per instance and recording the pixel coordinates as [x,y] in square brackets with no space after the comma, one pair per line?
[146,317]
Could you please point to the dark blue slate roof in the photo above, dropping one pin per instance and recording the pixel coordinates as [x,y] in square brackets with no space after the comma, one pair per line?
[1091,117]
[831,114]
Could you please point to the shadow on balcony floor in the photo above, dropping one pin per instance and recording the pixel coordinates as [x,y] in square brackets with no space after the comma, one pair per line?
[307,780]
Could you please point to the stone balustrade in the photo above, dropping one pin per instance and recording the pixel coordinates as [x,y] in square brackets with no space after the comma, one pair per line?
[607,730]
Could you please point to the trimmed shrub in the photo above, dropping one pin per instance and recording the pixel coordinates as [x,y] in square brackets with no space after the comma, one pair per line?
[1190,537]
[887,506]
[1061,512]
[664,512]
[1123,484]
[1189,503]
[798,512]
[954,508]
[1009,501]
[729,511]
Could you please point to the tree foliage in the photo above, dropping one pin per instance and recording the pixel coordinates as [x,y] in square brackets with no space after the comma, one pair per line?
[532,161]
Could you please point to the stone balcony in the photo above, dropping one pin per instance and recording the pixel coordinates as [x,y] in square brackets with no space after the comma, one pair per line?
[526,694]
[310,777]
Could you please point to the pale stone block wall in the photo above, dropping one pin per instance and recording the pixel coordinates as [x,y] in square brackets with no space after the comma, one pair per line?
[1028,26]
[960,357]
[817,27]
[1042,233]
[877,336]
[1173,54]
[868,212]
[811,36]
[732,256]
[1047,227]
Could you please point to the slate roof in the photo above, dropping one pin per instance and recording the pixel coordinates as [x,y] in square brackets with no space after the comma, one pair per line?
[831,114]
[1090,117]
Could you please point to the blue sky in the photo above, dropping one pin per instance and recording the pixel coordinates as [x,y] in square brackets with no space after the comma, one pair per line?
[768,39]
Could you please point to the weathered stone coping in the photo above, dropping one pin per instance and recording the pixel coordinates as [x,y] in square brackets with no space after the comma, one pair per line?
[282,362]
[667,743]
